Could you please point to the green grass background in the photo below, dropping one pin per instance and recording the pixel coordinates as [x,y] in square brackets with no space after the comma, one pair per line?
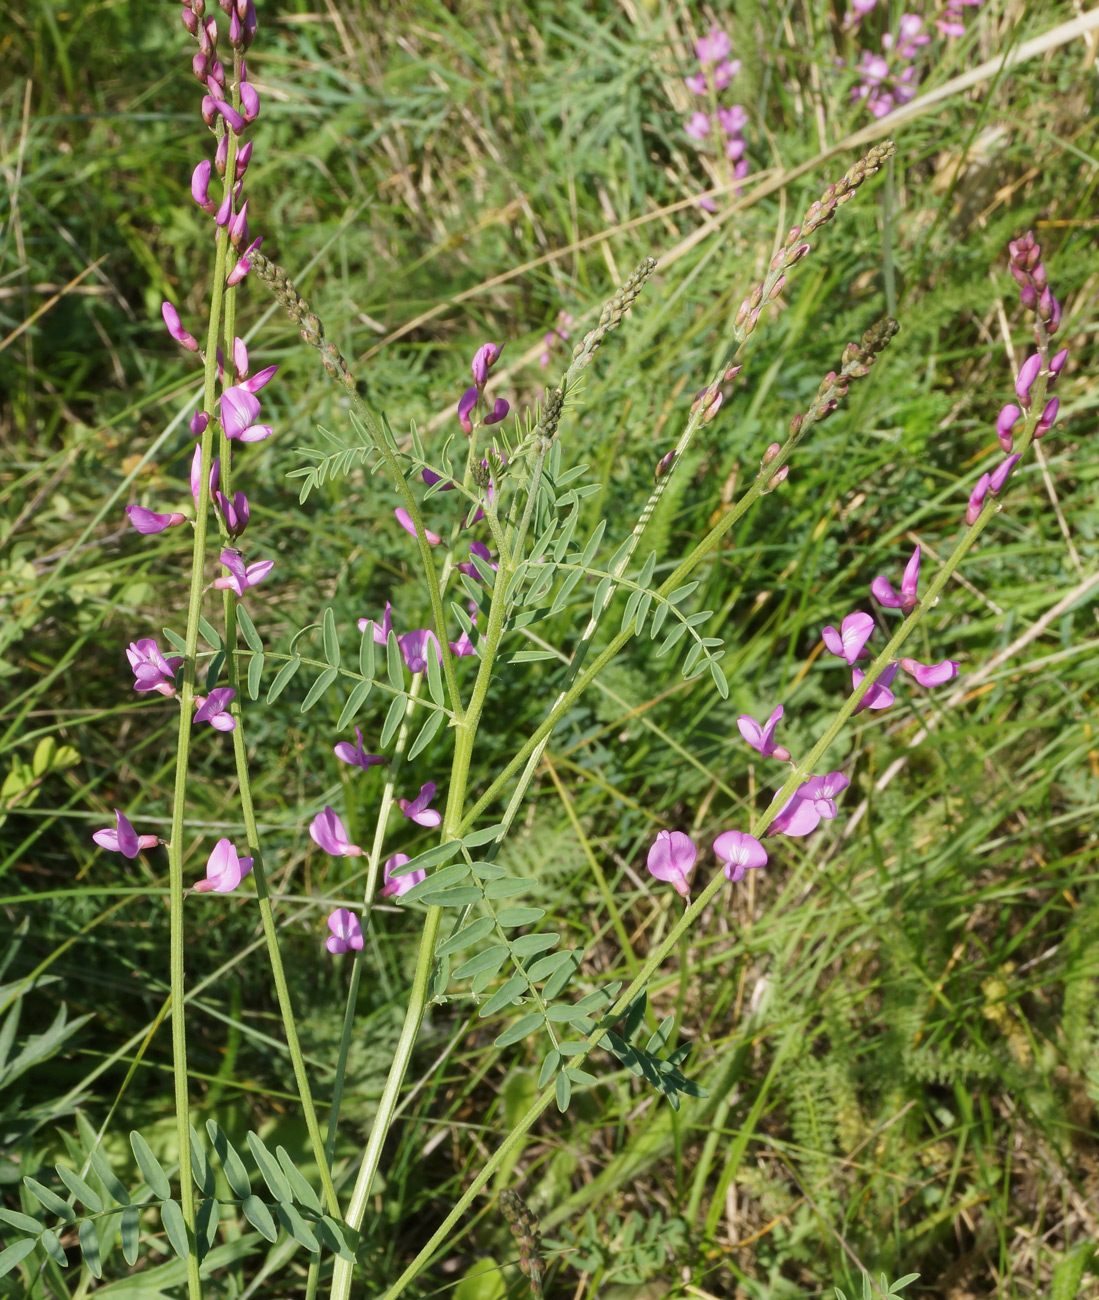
[896,1021]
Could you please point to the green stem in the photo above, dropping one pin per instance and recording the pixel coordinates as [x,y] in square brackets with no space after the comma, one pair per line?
[177,938]
[691,914]
[370,893]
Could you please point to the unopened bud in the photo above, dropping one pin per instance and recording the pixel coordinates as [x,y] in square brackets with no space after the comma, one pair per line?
[977,499]
[742,312]
[664,464]
[795,425]
[1005,424]
[732,373]
[777,288]
[779,260]
[755,297]
[1001,476]
[795,256]
[1057,364]
[711,411]
[1049,414]
[189,21]
[771,452]
[793,237]
[1028,373]
[779,476]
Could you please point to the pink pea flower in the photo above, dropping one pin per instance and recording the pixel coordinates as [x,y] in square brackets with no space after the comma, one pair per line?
[214,708]
[740,853]
[395,886]
[977,499]
[152,670]
[244,156]
[249,101]
[239,410]
[931,674]
[484,359]
[950,24]
[672,859]
[224,869]
[1024,381]
[241,578]
[735,147]
[200,187]
[499,411]
[696,82]
[879,696]
[196,468]
[417,810]
[466,403]
[244,265]
[1001,475]
[713,47]
[347,932]
[124,839]
[763,738]
[415,646]
[1056,365]
[796,817]
[355,754]
[175,328]
[732,120]
[469,568]
[210,106]
[1049,415]
[906,601]
[724,72]
[148,521]
[238,226]
[235,512]
[379,631]
[328,831]
[854,632]
[1005,424]
[431,478]
[259,379]
[463,646]
[697,126]
[405,520]
[910,36]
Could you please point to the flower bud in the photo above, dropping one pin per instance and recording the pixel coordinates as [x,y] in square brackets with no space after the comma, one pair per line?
[777,288]
[1028,296]
[793,237]
[795,256]
[189,21]
[1057,365]
[175,328]
[780,476]
[1028,373]
[1049,414]
[732,373]
[795,425]
[249,101]
[664,464]
[711,411]
[771,452]
[1001,476]
[1005,423]
[977,499]
[200,187]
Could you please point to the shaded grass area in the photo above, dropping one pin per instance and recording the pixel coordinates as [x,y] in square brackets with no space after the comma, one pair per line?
[896,1022]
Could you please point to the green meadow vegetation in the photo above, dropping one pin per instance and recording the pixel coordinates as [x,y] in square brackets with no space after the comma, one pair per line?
[896,1022]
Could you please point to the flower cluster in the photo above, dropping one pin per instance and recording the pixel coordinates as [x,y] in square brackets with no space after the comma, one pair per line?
[484,359]
[889,78]
[723,125]
[415,646]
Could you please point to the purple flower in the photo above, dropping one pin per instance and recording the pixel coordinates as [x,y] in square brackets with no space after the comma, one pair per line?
[931,674]
[499,410]
[763,738]
[414,648]
[733,120]
[484,359]
[395,886]
[418,811]
[671,859]
[796,817]
[879,696]
[238,226]
[239,410]
[1056,365]
[977,499]
[724,72]
[466,403]
[820,791]
[469,568]
[210,105]
[224,869]
[148,521]
[714,47]
[1024,381]
[152,670]
[1001,475]
[235,512]
[346,934]
[740,852]
[431,478]
[249,101]
[200,187]
[1005,423]
[213,708]
[328,831]
[259,379]
[1049,414]
[241,578]
[175,328]
[906,601]
[697,126]
[124,839]
[405,520]
[909,36]
[463,646]
[696,82]
[244,265]
[380,631]
[355,754]
[853,634]
[196,470]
